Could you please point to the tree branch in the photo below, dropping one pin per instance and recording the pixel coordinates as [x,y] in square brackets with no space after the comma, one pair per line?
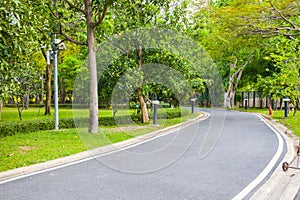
[69,38]
[75,7]
[283,17]
[43,50]
[101,17]
[287,28]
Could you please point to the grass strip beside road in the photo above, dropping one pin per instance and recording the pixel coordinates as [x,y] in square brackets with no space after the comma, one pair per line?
[292,122]
[26,149]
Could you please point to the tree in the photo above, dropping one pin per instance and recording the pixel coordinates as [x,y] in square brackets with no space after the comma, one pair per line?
[24,85]
[130,15]
[167,82]
[222,32]
[283,80]
[18,42]
[279,24]
[69,15]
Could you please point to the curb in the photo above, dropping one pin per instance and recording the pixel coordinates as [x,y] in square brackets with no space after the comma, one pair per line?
[9,175]
[281,185]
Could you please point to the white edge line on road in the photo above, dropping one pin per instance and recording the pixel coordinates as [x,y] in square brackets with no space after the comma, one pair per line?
[97,156]
[268,168]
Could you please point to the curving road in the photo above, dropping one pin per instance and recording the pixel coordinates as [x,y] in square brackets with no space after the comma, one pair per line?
[183,164]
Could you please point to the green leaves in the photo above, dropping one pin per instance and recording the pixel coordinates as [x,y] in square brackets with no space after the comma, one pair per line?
[284,78]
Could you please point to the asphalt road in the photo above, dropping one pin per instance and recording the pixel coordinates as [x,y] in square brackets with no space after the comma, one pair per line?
[183,164]
[298,195]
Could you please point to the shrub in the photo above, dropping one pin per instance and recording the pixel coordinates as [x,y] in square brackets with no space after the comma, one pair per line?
[171,113]
[11,128]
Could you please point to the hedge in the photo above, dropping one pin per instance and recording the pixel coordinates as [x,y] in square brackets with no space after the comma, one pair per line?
[172,113]
[12,128]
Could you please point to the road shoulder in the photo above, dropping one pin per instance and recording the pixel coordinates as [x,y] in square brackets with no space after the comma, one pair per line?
[281,185]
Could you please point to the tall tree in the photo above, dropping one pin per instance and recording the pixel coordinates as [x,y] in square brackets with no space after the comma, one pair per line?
[221,30]
[131,15]
[69,15]
[18,42]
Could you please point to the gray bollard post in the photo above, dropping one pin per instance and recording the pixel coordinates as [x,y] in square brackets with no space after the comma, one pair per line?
[286,106]
[193,104]
[155,103]
[246,104]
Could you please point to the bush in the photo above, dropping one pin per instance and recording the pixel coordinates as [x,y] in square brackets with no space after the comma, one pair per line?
[11,128]
[171,113]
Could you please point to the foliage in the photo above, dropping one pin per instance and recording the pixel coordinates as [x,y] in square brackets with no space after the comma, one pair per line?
[221,30]
[14,43]
[277,18]
[122,74]
[68,71]
[284,79]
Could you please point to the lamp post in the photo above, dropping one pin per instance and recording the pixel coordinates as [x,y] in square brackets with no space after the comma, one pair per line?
[193,105]
[54,50]
[52,55]
[286,109]
[155,103]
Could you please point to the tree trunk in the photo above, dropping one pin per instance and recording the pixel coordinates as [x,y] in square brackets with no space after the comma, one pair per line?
[11,100]
[145,116]
[27,100]
[19,111]
[48,89]
[234,81]
[296,107]
[20,108]
[62,96]
[93,121]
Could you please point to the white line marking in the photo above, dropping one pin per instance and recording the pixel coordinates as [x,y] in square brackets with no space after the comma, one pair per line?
[268,168]
[101,155]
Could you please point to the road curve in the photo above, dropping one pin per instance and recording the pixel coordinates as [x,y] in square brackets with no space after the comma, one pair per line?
[184,164]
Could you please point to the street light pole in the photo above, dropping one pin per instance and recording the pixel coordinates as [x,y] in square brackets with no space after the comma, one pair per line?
[55,83]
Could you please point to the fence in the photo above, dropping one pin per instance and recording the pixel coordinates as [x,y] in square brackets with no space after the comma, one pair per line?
[255,100]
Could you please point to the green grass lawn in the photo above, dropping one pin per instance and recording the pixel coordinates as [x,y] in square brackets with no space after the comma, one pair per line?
[11,114]
[292,122]
[26,149]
